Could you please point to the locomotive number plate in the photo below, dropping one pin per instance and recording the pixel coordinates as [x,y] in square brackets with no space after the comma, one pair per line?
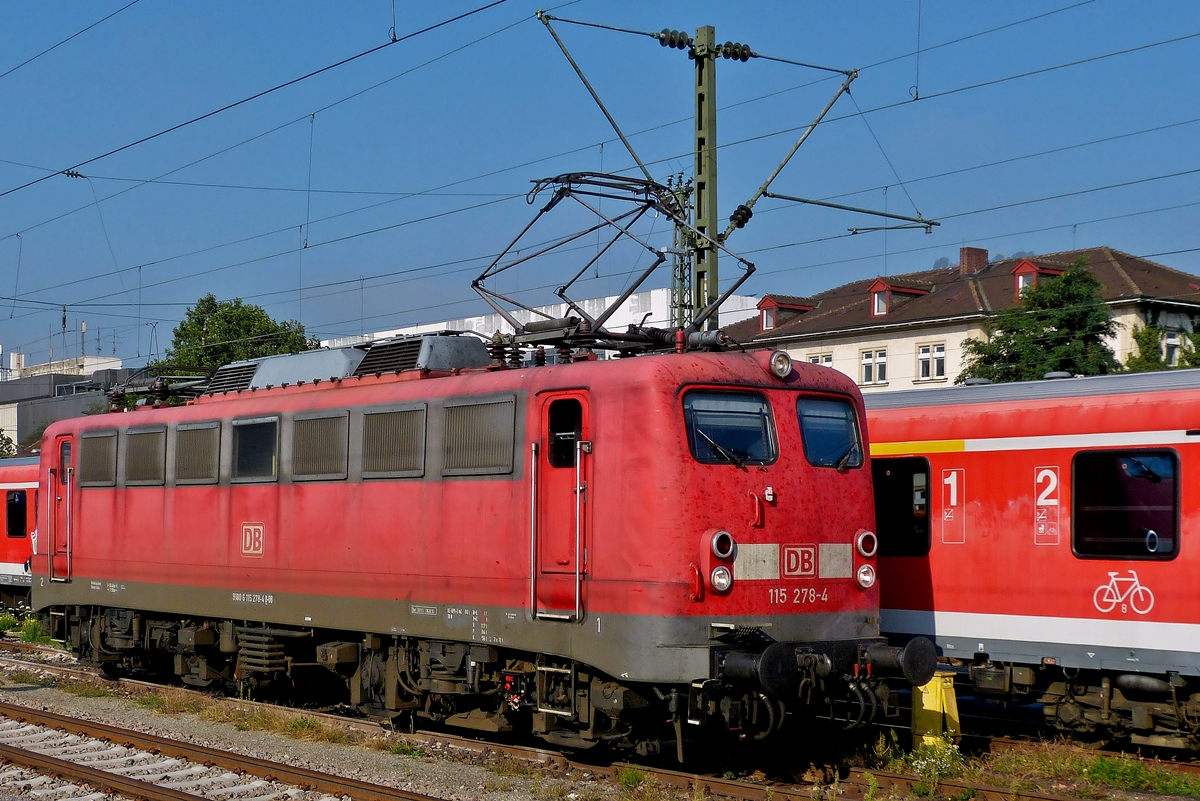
[798,595]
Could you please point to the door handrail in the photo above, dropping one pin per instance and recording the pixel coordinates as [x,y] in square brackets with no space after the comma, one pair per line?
[51,533]
[70,475]
[581,447]
[533,524]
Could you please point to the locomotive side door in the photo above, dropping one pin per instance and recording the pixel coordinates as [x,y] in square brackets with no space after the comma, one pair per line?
[61,487]
[562,472]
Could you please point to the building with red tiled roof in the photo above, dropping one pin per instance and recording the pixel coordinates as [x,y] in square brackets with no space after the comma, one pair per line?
[906,331]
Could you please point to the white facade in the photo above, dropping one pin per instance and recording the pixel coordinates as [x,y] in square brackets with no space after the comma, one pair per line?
[80,365]
[656,303]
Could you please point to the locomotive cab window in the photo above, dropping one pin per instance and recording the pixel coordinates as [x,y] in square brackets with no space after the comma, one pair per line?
[255,448]
[565,428]
[901,505]
[17,514]
[729,428]
[1125,504]
[829,429]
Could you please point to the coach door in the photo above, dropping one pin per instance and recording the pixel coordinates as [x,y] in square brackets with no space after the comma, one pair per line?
[561,471]
[59,499]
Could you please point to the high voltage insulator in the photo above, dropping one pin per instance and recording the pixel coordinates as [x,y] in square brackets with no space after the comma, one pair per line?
[741,216]
[736,50]
[676,39]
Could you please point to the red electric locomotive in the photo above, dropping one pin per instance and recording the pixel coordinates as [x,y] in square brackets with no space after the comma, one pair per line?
[1039,533]
[18,482]
[585,549]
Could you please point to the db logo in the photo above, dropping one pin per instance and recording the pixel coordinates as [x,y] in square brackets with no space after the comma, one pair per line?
[252,539]
[799,560]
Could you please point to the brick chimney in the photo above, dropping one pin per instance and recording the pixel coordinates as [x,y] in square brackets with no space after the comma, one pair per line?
[972,260]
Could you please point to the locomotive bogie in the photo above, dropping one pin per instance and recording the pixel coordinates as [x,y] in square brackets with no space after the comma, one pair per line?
[1040,533]
[624,528]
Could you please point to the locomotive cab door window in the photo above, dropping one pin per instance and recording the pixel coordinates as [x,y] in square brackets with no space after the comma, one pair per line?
[17,514]
[256,449]
[730,428]
[1125,504]
[561,477]
[902,505]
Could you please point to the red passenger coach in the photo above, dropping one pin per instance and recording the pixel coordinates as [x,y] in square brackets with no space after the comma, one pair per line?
[18,482]
[584,549]
[1041,533]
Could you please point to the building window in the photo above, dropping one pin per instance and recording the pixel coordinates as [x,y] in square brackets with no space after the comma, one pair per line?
[879,301]
[1126,504]
[823,359]
[768,319]
[874,367]
[1172,355]
[1024,281]
[931,362]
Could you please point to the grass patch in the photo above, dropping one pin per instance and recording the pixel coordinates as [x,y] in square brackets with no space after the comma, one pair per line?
[397,747]
[510,767]
[23,677]
[1123,773]
[278,721]
[31,631]
[175,702]
[8,622]
[85,689]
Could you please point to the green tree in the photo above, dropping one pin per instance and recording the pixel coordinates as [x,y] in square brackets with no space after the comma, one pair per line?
[1149,354]
[214,333]
[7,446]
[1060,324]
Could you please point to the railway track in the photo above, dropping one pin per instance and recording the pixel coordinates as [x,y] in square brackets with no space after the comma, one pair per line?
[298,783]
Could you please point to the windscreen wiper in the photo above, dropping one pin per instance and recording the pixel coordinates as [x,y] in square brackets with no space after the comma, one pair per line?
[844,462]
[729,457]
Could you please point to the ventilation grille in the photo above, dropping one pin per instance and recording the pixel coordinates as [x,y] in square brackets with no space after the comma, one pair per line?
[394,443]
[478,438]
[391,356]
[197,450]
[145,457]
[319,447]
[98,460]
[232,377]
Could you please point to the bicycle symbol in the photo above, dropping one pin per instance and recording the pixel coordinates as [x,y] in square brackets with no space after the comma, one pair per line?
[1122,590]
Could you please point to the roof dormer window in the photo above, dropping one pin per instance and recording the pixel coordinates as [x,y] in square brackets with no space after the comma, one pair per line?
[1025,281]
[768,318]
[879,303]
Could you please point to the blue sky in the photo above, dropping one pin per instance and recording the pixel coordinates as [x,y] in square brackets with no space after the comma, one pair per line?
[406,170]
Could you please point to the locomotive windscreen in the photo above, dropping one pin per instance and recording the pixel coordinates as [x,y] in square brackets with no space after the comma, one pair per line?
[730,428]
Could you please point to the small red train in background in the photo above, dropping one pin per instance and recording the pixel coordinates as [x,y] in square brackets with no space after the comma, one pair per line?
[19,485]
[584,550]
[1042,534]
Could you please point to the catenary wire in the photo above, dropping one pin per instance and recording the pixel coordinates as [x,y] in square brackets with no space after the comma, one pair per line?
[55,46]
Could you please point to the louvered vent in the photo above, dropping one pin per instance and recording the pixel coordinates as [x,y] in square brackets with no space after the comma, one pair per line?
[232,377]
[391,356]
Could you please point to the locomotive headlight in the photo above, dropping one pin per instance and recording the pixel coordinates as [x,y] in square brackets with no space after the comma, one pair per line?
[865,576]
[781,364]
[722,578]
[867,544]
[723,545]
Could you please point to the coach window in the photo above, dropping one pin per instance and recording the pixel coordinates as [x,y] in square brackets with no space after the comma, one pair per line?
[17,514]
[902,505]
[829,430]
[565,427]
[98,459]
[730,428]
[255,448]
[1125,504]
